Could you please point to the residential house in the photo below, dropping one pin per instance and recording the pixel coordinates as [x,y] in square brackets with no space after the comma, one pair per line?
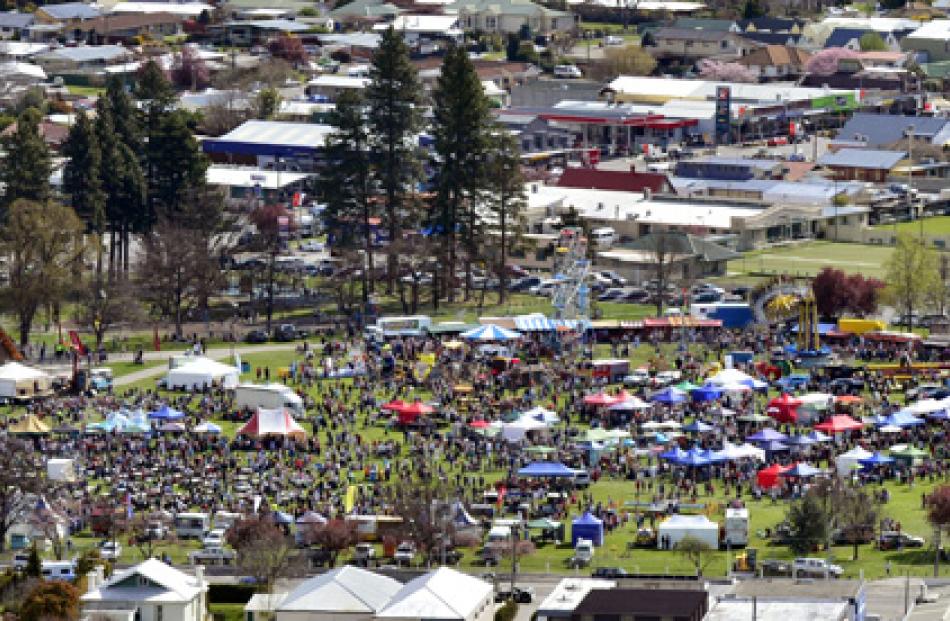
[773,38]
[68,13]
[123,27]
[930,42]
[510,16]
[882,130]
[692,45]
[424,27]
[82,59]
[184,10]
[859,74]
[328,87]
[53,134]
[149,591]
[789,25]
[862,164]
[850,38]
[262,9]
[257,32]
[534,134]
[709,24]
[363,11]
[776,62]
[13,25]
[815,35]
[649,604]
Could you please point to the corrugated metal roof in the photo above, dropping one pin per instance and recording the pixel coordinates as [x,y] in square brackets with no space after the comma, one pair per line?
[862,158]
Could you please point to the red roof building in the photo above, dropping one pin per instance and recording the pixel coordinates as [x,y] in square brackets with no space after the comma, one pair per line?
[617,180]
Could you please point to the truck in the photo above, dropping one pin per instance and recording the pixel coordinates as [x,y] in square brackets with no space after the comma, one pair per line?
[583,553]
[268,396]
[396,327]
[736,531]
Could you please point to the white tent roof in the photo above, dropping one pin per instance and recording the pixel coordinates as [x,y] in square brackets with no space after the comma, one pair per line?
[201,371]
[347,589]
[729,376]
[20,372]
[691,522]
[277,422]
[441,594]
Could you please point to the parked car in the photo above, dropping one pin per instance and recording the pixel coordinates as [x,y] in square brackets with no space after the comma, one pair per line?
[363,553]
[255,336]
[110,550]
[815,567]
[213,538]
[617,279]
[609,572]
[635,296]
[287,332]
[893,540]
[404,554]
[610,295]
[707,297]
[568,72]
[640,377]
[524,284]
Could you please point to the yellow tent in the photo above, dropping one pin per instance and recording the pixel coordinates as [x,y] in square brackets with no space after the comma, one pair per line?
[30,424]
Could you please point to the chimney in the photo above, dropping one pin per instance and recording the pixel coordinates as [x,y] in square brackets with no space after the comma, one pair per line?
[92,581]
[200,575]
[100,575]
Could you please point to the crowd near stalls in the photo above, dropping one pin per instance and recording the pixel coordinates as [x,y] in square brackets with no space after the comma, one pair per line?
[511,429]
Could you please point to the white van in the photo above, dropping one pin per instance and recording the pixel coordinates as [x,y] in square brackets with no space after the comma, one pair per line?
[268,396]
[567,72]
[192,525]
[603,237]
[59,570]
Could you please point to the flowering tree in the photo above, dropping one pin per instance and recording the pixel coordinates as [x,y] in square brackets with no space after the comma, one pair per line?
[727,72]
[189,70]
[825,62]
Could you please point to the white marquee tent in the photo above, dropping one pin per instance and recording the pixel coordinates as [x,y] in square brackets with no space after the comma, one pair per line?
[200,373]
[847,462]
[18,381]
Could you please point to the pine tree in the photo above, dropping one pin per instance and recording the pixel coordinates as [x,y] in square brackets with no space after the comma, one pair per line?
[393,100]
[122,182]
[29,178]
[348,183]
[506,201]
[82,179]
[461,112]
[177,165]
[125,119]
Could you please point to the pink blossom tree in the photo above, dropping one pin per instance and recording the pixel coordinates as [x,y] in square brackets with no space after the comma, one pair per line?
[727,72]
[825,62]
[189,70]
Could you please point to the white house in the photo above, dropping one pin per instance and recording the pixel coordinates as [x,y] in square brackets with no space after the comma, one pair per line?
[347,593]
[150,591]
[441,595]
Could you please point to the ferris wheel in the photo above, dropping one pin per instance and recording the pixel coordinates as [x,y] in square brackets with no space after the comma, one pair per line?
[571,299]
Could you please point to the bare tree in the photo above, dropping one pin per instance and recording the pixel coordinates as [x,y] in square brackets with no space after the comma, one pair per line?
[22,481]
[103,305]
[660,247]
[696,552]
[265,552]
[332,538]
[426,511]
[144,533]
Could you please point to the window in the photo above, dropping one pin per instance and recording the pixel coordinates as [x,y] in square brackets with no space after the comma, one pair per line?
[490,23]
[159,613]
[723,44]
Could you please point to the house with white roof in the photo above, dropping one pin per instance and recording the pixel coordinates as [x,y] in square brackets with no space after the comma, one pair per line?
[149,591]
[441,595]
[931,42]
[348,593]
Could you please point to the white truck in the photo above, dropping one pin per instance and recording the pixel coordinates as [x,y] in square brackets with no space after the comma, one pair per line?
[736,532]
[268,396]
[583,553]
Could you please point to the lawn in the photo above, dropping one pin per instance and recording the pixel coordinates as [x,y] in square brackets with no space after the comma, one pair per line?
[937,225]
[85,91]
[809,258]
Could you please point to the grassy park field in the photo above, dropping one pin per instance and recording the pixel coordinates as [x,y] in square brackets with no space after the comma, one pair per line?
[937,225]
[809,258]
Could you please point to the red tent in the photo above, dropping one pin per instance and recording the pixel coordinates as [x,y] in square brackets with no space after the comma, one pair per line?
[600,398]
[395,405]
[408,413]
[783,409]
[839,424]
[769,477]
[277,422]
[478,424]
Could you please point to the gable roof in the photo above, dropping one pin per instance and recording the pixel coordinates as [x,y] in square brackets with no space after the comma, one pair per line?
[347,589]
[771,24]
[125,21]
[692,35]
[504,7]
[166,584]
[612,180]
[882,129]
[682,244]
[70,10]
[776,55]
[15,20]
[840,37]
[701,23]
[862,158]
[660,602]
[938,29]
[441,594]
[85,53]
[772,38]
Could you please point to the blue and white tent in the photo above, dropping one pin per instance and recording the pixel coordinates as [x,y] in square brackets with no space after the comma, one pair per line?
[490,332]
[540,323]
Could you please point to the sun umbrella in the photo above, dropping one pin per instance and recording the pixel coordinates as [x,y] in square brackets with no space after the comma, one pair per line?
[490,332]
[715,456]
[668,396]
[767,435]
[698,426]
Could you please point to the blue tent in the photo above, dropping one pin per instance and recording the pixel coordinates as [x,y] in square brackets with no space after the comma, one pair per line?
[674,454]
[902,418]
[587,526]
[773,446]
[283,518]
[705,393]
[767,435]
[818,436]
[546,469]
[693,458]
[941,415]
[714,456]
[166,413]
[800,441]
[698,426]
[668,396]
[490,332]
[801,470]
[793,382]
[877,459]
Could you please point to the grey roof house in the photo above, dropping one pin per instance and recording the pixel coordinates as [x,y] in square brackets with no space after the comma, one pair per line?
[879,130]
[13,24]
[862,164]
[510,16]
[68,12]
